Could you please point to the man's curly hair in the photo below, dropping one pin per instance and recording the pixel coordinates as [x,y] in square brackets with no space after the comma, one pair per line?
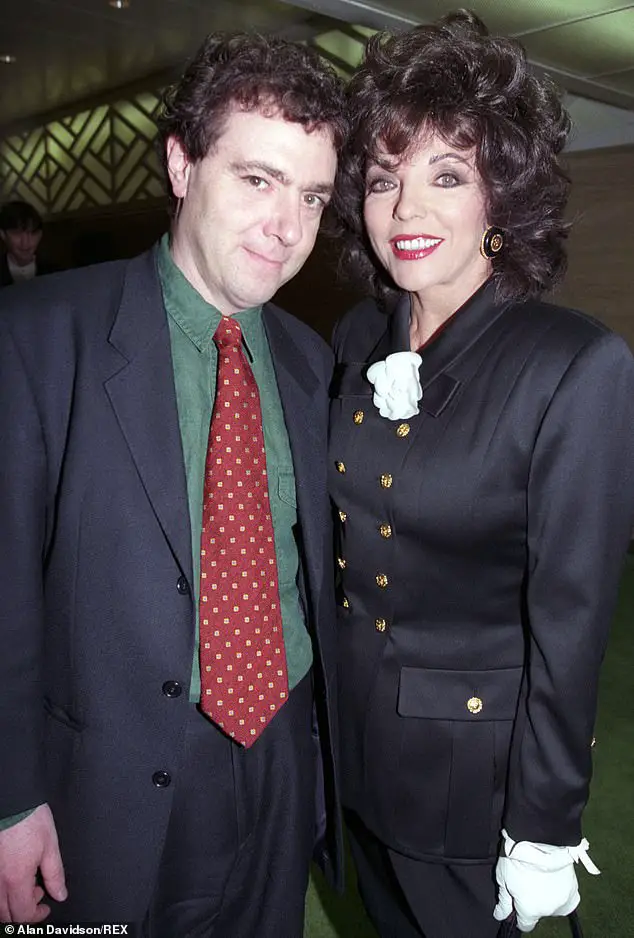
[249,72]
[473,90]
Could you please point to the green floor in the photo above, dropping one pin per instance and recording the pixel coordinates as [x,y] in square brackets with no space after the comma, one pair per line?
[607,901]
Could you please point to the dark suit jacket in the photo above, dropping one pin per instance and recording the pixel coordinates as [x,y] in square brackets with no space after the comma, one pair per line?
[469,675]
[96,559]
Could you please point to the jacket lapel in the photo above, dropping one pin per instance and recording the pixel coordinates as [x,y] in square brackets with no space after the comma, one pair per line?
[144,400]
[440,371]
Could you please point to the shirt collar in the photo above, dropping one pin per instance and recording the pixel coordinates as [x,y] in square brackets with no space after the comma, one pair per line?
[197,318]
[27,272]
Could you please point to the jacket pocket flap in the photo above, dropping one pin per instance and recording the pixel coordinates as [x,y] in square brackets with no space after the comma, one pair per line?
[434,694]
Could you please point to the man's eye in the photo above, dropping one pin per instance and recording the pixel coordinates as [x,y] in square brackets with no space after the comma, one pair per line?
[257,182]
[314,201]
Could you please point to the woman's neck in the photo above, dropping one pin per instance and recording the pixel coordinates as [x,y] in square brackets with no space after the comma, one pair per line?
[429,312]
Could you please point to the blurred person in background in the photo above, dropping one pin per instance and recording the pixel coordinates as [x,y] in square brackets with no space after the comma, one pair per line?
[21,231]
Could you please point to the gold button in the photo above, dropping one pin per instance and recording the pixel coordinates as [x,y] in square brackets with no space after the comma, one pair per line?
[381,580]
[346,602]
[402,430]
[380,625]
[386,530]
[474,705]
[342,516]
[341,562]
[340,467]
[386,480]
[358,417]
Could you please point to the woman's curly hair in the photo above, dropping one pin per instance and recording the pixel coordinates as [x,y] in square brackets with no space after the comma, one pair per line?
[251,72]
[474,90]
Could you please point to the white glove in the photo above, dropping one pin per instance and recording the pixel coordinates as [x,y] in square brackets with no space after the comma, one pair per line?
[538,880]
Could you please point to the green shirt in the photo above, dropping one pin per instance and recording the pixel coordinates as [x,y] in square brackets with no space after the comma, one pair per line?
[192,323]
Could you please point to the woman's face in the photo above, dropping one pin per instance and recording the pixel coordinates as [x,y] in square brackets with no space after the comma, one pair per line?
[425,217]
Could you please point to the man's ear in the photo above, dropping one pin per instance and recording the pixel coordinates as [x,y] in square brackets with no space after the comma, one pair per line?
[178,167]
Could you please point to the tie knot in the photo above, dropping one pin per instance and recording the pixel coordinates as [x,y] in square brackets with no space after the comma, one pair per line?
[228,334]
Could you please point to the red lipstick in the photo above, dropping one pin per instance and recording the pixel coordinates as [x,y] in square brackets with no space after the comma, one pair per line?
[414,247]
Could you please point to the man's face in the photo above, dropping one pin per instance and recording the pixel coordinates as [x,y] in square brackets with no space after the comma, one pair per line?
[22,243]
[249,211]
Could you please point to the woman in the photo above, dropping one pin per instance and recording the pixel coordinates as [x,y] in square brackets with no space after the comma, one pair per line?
[482,526]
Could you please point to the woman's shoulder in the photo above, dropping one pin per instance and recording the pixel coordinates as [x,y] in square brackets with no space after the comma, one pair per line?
[562,329]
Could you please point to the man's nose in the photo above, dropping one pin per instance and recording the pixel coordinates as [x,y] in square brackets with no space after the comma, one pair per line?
[285,223]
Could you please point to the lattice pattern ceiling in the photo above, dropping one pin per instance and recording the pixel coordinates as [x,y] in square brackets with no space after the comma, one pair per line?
[92,159]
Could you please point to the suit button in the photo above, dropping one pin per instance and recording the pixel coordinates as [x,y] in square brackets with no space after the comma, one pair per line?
[381,580]
[386,480]
[162,779]
[342,516]
[380,625]
[342,563]
[385,530]
[474,705]
[358,417]
[402,430]
[340,467]
[345,602]
[172,689]
[182,585]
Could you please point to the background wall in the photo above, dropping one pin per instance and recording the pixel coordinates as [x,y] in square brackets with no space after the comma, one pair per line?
[601,245]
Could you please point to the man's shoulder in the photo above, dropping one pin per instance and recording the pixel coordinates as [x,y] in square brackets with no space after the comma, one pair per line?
[83,292]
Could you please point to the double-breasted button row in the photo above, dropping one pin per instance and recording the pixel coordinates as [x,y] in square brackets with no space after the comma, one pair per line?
[401,431]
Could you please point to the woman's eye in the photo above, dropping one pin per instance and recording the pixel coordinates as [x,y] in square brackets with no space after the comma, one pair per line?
[379,185]
[448,180]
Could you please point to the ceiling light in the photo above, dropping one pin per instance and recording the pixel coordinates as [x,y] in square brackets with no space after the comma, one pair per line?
[8,59]
[119,4]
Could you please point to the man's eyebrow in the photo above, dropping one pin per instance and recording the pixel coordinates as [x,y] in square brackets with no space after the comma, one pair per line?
[256,166]
[448,156]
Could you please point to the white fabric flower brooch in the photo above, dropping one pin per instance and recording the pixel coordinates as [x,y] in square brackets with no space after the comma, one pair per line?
[397,388]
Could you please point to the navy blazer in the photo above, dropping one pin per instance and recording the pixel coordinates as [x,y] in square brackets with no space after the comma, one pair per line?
[481,543]
[95,554]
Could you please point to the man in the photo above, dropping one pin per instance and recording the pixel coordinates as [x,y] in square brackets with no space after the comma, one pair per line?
[183,804]
[21,231]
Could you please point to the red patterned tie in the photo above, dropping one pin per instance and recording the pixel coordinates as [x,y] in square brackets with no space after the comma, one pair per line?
[242,659]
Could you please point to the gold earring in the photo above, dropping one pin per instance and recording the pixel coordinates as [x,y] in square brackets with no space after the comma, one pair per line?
[492,242]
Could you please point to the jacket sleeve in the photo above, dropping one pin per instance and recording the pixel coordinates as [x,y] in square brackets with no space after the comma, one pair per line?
[580,514]
[22,538]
